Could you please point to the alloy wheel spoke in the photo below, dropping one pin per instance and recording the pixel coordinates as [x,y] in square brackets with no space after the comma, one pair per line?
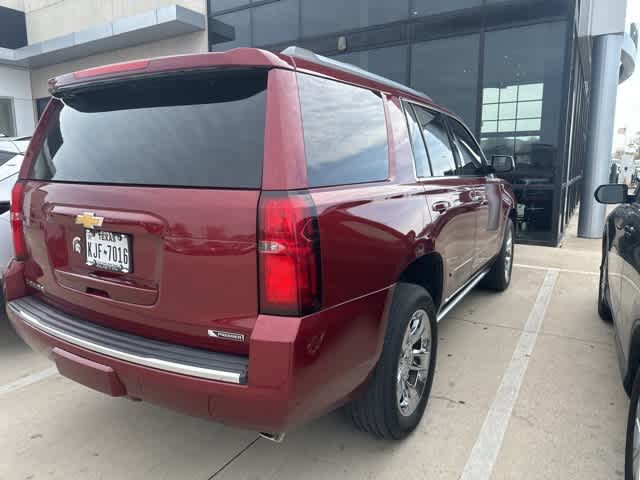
[420,361]
[413,398]
[417,333]
[413,364]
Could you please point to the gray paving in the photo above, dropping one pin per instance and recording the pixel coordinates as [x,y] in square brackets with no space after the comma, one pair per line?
[567,422]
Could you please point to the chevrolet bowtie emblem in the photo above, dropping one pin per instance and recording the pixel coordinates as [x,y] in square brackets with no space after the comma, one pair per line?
[89,220]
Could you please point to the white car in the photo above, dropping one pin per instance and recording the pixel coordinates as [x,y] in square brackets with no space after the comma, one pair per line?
[11,155]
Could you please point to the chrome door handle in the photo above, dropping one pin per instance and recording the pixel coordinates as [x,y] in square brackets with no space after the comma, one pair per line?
[441,206]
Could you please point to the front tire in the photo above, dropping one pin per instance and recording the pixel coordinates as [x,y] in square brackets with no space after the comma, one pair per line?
[499,277]
[632,450]
[396,395]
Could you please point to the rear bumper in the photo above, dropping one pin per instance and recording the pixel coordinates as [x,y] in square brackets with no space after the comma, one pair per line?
[129,348]
[297,369]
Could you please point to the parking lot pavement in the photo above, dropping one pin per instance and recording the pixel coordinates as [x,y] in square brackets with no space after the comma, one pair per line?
[561,405]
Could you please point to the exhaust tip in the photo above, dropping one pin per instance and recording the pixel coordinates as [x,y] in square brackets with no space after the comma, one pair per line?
[273,437]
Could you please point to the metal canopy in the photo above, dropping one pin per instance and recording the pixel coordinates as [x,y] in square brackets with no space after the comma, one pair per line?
[124,32]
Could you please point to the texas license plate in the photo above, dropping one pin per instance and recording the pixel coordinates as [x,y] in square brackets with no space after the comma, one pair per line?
[108,250]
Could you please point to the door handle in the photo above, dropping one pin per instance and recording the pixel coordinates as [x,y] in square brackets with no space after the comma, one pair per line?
[441,206]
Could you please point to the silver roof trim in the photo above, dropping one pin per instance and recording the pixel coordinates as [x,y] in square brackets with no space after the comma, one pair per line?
[309,56]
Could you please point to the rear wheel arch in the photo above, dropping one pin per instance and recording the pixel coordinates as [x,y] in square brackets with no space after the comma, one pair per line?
[426,271]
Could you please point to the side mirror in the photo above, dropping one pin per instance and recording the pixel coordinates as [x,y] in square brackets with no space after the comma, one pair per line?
[503,163]
[612,193]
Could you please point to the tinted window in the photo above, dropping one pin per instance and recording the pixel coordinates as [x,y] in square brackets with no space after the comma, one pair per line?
[438,144]
[218,5]
[470,156]
[390,62]
[420,8]
[328,16]
[447,70]
[6,156]
[197,130]
[419,151]
[7,124]
[275,22]
[345,133]
[522,98]
[241,23]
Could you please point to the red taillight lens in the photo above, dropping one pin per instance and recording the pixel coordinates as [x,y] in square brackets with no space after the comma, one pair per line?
[289,254]
[17,220]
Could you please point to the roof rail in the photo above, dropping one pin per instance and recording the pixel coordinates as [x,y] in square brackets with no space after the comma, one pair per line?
[309,56]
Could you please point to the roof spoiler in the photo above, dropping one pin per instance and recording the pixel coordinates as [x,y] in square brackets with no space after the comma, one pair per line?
[309,56]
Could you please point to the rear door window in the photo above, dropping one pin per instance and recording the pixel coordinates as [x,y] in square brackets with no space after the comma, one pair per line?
[420,157]
[189,130]
[345,133]
[437,140]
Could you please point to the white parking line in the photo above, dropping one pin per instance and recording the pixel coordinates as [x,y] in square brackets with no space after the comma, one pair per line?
[28,380]
[485,451]
[563,270]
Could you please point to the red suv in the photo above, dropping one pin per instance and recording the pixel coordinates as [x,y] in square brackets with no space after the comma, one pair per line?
[252,237]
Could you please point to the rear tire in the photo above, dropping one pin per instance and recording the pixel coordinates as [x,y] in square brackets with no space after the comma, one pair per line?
[396,395]
[603,305]
[499,277]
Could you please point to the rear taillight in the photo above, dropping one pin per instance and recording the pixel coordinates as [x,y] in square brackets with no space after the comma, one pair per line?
[16,217]
[289,254]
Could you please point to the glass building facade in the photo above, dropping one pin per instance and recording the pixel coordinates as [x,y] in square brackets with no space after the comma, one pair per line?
[517,72]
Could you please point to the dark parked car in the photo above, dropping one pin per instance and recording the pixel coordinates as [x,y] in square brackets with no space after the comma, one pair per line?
[619,301]
[271,236]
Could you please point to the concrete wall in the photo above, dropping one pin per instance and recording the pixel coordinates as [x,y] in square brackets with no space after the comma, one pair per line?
[190,43]
[48,19]
[608,16]
[15,84]
[15,4]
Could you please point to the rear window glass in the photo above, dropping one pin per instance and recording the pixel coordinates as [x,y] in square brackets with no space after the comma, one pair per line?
[6,156]
[204,130]
[345,133]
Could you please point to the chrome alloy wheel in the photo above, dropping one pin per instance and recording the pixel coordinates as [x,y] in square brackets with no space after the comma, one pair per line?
[636,445]
[508,255]
[413,365]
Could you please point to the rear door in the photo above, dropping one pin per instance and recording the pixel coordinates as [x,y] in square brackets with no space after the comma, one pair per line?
[450,202]
[142,205]
[626,302]
[484,191]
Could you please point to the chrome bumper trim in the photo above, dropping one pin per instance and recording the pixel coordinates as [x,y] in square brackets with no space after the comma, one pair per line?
[193,371]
